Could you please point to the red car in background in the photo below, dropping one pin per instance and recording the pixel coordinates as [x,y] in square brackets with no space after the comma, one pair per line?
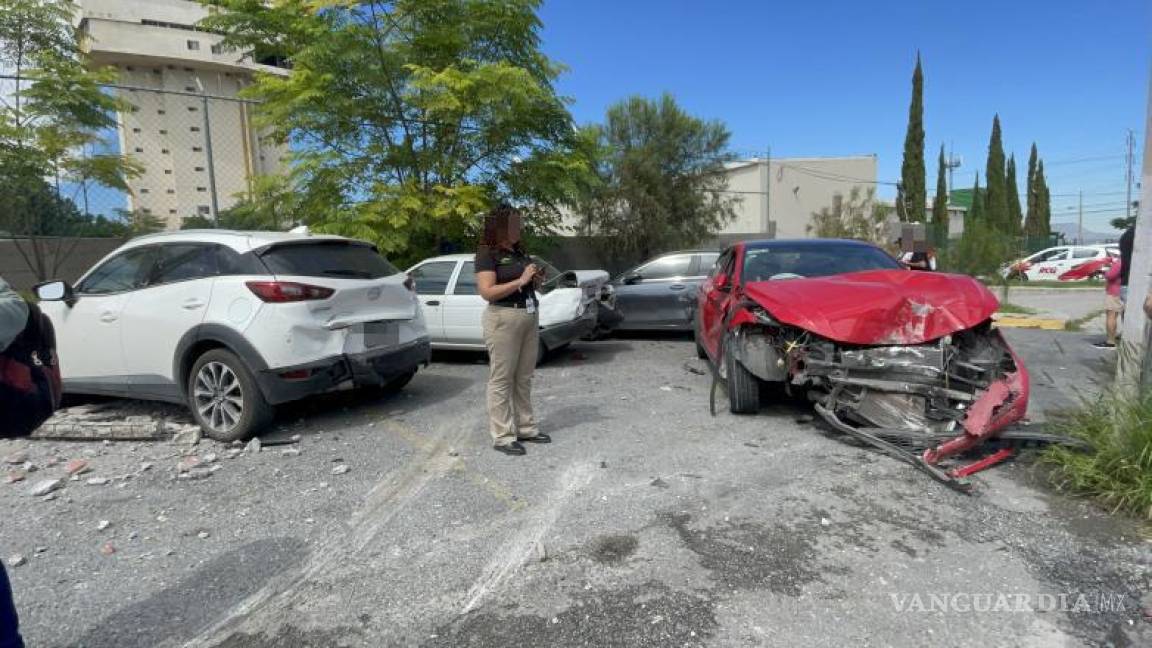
[897,353]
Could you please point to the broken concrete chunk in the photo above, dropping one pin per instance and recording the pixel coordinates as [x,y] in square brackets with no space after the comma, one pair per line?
[187,464]
[17,458]
[76,467]
[16,560]
[253,446]
[107,549]
[186,435]
[211,457]
[341,469]
[45,486]
[15,476]
[103,524]
[290,452]
[97,481]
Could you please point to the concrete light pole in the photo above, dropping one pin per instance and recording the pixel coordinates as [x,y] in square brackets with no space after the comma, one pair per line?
[1134,364]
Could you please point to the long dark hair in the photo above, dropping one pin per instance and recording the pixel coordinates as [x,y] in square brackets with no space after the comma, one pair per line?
[496,223]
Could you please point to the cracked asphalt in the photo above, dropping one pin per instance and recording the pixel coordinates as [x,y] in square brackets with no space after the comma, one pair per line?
[646,523]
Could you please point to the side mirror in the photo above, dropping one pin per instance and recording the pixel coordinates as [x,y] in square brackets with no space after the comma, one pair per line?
[632,278]
[722,282]
[55,291]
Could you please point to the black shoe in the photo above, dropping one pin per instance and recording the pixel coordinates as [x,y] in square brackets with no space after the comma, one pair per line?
[1104,345]
[539,438]
[514,449]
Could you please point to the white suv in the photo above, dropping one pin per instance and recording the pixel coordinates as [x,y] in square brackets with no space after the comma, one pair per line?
[233,323]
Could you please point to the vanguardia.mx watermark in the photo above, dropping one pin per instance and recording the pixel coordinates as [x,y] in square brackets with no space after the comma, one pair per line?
[1016,602]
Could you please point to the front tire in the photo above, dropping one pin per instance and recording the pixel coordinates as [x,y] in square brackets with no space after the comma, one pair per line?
[224,398]
[743,387]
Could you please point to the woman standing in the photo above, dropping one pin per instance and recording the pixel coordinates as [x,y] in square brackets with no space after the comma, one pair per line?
[507,279]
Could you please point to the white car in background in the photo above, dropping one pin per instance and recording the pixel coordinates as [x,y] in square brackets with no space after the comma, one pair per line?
[233,323]
[1051,264]
[570,303]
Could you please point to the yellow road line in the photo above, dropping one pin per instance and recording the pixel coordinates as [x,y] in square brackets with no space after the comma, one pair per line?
[1048,324]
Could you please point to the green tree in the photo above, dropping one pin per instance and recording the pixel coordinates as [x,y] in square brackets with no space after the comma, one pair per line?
[940,201]
[911,195]
[995,195]
[271,205]
[410,117]
[1122,223]
[1015,217]
[660,179]
[1043,202]
[54,113]
[1032,225]
[982,248]
[860,216]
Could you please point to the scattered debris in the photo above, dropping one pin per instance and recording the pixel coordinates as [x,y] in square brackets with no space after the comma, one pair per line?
[825,521]
[45,486]
[541,551]
[665,388]
[290,452]
[187,463]
[253,446]
[145,467]
[198,473]
[695,370]
[40,550]
[452,452]
[16,560]
[210,458]
[188,435]
[103,524]
[203,535]
[341,469]
[107,549]
[97,481]
[15,476]
[17,458]
[76,467]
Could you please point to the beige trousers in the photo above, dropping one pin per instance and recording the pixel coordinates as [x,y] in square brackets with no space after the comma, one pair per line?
[512,338]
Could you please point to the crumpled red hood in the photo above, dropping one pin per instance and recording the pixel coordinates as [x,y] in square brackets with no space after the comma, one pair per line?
[878,306]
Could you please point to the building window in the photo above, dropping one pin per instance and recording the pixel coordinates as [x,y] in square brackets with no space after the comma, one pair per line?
[171,191]
[147,212]
[171,211]
[187,69]
[143,191]
[194,129]
[216,49]
[193,44]
[164,151]
[198,169]
[167,171]
[163,132]
[197,149]
[135,130]
[160,112]
[189,88]
[139,150]
[203,209]
[192,108]
[156,71]
[128,68]
[201,188]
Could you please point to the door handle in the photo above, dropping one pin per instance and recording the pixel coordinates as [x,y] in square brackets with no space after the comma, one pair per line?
[193,304]
[431,302]
[108,316]
[677,287]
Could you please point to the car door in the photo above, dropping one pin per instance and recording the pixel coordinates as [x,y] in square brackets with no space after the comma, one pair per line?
[715,293]
[88,331]
[172,302]
[653,295]
[702,266]
[431,282]
[463,308]
[1048,268]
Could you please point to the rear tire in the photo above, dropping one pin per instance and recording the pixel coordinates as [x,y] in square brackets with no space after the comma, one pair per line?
[743,387]
[224,398]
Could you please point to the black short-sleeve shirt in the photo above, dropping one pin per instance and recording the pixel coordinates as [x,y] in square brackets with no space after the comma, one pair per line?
[508,266]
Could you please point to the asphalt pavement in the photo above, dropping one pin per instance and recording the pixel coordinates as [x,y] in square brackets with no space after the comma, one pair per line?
[647,522]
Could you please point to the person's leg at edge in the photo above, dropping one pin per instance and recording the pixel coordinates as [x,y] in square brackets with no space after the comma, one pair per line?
[9,623]
[526,428]
[503,356]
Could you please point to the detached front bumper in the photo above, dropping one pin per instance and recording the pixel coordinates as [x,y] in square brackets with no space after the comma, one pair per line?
[557,335]
[370,368]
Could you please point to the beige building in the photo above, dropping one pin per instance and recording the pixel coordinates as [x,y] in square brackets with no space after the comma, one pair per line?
[775,198]
[183,87]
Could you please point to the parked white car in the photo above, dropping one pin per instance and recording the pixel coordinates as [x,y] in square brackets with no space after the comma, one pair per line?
[446,285]
[1050,264]
[233,323]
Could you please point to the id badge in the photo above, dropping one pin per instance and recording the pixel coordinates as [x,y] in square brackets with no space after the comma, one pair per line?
[530,306]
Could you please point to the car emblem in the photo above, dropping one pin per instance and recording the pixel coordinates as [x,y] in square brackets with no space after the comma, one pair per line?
[374,294]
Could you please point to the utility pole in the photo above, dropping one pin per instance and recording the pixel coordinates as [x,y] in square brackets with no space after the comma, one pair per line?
[1128,178]
[1134,365]
[952,164]
[208,151]
[1080,220]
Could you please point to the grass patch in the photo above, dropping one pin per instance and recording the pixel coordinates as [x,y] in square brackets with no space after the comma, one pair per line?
[1078,323]
[1118,472]
[1016,309]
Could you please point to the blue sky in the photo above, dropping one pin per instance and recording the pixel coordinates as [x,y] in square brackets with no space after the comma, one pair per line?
[834,78]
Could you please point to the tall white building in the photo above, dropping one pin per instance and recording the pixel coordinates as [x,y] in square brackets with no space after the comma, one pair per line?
[184,87]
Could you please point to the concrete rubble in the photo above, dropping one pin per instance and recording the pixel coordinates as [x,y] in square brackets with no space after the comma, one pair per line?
[114,421]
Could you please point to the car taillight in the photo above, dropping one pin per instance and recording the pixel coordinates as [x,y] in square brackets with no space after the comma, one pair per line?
[279,292]
[408,283]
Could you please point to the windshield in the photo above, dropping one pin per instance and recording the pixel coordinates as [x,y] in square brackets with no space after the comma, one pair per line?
[340,259]
[808,260]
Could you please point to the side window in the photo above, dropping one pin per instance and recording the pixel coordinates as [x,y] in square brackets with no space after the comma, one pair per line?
[724,264]
[706,262]
[185,261]
[127,271]
[666,267]
[1084,253]
[432,278]
[466,281]
[1058,256]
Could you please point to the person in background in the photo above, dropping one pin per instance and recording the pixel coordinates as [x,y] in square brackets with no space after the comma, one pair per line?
[920,257]
[1113,305]
[506,278]
[13,318]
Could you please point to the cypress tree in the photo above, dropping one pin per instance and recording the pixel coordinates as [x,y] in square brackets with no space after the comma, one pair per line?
[1031,224]
[1015,218]
[995,199]
[975,216]
[912,196]
[1043,202]
[940,202]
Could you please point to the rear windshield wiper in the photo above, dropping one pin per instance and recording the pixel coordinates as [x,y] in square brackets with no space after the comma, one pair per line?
[359,274]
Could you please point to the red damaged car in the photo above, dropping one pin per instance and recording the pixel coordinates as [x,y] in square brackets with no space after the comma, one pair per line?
[890,354]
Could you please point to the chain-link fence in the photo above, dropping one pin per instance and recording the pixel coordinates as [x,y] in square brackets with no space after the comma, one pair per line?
[195,149]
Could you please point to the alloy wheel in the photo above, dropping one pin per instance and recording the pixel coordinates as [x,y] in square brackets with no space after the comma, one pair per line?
[219,397]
